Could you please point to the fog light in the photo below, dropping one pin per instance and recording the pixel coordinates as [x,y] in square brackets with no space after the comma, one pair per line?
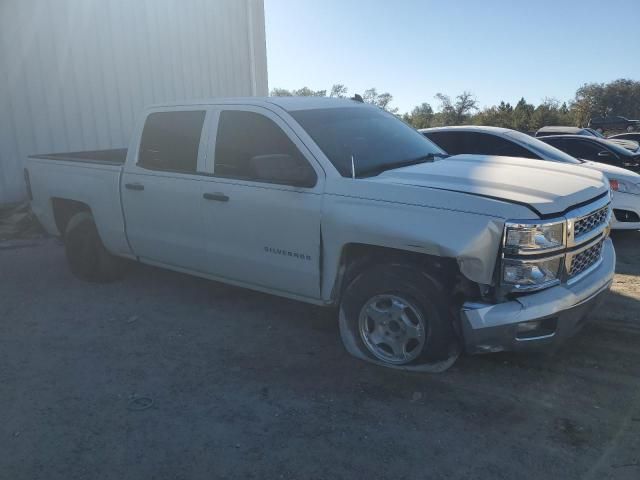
[526,327]
[535,329]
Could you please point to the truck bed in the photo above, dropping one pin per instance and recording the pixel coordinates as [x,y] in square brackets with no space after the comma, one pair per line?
[114,156]
[91,178]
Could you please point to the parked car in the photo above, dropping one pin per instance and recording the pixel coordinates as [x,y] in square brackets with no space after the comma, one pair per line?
[503,141]
[560,130]
[603,124]
[338,203]
[633,136]
[589,132]
[597,150]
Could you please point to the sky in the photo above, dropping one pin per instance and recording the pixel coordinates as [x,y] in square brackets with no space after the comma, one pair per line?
[498,50]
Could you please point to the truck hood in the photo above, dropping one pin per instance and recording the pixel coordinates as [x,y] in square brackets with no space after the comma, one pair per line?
[547,188]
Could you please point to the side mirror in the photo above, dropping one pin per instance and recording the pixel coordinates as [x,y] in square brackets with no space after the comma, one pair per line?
[283,168]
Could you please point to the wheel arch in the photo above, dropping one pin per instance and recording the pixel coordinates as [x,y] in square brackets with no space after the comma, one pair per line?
[64,209]
[358,257]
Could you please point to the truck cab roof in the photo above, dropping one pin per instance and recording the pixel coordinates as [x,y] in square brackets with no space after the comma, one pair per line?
[286,103]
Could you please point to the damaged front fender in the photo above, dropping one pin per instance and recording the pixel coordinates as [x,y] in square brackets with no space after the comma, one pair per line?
[472,239]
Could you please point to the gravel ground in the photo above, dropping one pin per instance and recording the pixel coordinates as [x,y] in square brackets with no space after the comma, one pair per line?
[167,376]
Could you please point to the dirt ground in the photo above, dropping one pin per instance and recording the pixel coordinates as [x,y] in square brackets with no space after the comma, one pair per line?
[167,376]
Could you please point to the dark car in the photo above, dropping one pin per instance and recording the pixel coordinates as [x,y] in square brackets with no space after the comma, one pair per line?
[633,136]
[560,130]
[602,124]
[596,149]
[481,140]
[588,132]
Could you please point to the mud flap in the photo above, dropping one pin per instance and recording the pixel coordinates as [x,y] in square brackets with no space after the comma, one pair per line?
[351,342]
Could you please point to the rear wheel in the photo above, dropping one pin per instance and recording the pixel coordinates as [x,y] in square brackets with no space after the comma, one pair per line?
[398,315]
[86,255]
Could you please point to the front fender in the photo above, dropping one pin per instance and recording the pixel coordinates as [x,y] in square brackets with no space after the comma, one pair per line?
[472,239]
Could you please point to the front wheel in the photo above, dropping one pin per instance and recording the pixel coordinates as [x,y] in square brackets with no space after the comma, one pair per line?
[398,315]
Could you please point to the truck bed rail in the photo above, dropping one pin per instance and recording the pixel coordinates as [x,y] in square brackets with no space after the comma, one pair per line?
[114,156]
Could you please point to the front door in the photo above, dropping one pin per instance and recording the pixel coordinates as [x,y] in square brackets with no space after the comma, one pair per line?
[263,228]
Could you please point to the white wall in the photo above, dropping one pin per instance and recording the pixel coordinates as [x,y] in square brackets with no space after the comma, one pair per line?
[75,73]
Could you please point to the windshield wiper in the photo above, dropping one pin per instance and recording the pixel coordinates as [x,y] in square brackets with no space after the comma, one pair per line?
[378,169]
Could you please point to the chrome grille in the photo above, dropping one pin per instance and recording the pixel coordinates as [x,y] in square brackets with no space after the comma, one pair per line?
[583,260]
[590,222]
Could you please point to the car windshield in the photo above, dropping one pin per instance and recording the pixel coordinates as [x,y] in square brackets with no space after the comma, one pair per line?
[543,149]
[376,140]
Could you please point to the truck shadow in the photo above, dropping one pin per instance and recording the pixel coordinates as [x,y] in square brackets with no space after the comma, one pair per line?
[613,326]
[304,332]
[222,362]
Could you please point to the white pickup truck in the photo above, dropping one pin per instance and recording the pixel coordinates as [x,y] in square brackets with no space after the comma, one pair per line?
[338,203]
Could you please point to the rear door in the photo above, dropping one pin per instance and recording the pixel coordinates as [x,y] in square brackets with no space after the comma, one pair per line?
[262,231]
[162,190]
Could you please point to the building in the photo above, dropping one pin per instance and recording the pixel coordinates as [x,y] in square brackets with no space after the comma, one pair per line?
[75,73]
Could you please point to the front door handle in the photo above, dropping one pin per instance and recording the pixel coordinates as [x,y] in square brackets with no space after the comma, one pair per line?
[220,197]
[134,186]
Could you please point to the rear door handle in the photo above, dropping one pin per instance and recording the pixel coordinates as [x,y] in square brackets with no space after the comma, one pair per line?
[134,186]
[219,197]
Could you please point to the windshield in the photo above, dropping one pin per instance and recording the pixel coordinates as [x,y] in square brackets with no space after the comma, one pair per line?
[543,149]
[377,140]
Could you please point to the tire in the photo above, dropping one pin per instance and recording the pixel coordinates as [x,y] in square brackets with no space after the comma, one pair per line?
[630,128]
[398,315]
[86,255]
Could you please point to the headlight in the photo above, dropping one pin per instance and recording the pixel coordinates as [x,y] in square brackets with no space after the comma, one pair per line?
[533,238]
[623,186]
[531,274]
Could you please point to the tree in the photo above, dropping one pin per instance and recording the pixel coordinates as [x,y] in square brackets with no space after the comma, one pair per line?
[338,90]
[307,92]
[384,99]
[420,117]
[301,92]
[281,92]
[370,95]
[521,117]
[381,100]
[493,116]
[547,113]
[455,113]
[620,97]
[500,116]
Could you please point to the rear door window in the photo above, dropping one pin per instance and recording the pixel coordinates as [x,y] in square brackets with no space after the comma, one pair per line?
[450,142]
[487,144]
[582,149]
[170,141]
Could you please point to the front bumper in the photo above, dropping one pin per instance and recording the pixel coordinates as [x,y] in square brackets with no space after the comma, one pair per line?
[625,205]
[561,310]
